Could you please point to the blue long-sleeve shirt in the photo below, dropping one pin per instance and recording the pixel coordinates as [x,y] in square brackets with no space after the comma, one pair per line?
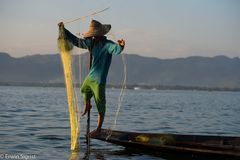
[101,54]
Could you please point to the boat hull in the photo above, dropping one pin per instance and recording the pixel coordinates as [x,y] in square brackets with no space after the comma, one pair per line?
[215,146]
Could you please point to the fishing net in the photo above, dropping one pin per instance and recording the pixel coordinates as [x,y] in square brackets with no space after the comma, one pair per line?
[67,61]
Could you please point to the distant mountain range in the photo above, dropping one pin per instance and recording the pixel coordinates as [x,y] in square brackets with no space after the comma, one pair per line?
[219,71]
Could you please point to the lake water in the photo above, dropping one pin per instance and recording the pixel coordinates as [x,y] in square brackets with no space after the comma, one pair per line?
[34,121]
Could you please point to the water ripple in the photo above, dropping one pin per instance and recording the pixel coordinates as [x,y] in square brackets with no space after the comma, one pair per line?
[36,120]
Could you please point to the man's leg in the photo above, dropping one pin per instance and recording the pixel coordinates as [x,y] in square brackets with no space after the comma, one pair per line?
[97,131]
[87,106]
[87,94]
[100,122]
[99,97]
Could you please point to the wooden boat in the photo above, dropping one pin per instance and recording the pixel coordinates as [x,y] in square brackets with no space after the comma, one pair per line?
[214,146]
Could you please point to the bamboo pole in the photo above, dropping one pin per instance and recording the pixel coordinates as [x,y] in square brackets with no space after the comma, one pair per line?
[88,114]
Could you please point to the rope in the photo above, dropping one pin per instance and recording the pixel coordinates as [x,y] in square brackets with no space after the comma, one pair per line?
[121,95]
[120,98]
[83,17]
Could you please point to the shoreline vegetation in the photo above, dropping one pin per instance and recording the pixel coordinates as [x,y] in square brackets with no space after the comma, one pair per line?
[133,87]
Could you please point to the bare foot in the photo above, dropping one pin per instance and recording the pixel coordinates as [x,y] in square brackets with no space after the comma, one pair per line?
[95,133]
[86,108]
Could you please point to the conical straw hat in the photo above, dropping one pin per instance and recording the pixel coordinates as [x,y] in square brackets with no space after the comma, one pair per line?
[97,29]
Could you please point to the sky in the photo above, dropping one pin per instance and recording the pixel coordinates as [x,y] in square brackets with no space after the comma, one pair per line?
[153,28]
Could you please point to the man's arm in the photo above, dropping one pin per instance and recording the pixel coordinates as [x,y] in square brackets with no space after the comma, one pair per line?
[121,42]
[115,48]
[79,42]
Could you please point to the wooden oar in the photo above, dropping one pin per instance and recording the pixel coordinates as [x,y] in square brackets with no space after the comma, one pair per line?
[88,115]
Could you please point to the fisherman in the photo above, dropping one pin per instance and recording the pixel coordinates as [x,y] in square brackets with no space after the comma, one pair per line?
[102,50]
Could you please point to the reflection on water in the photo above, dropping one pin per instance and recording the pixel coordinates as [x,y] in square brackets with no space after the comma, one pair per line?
[34,120]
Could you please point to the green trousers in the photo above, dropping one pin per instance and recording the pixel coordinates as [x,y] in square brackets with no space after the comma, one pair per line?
[92,88]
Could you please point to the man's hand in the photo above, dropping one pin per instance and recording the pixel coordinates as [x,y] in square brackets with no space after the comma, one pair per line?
[121,42]
[61,24]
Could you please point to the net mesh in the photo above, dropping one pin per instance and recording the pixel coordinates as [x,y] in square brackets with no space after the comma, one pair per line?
[66,56]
